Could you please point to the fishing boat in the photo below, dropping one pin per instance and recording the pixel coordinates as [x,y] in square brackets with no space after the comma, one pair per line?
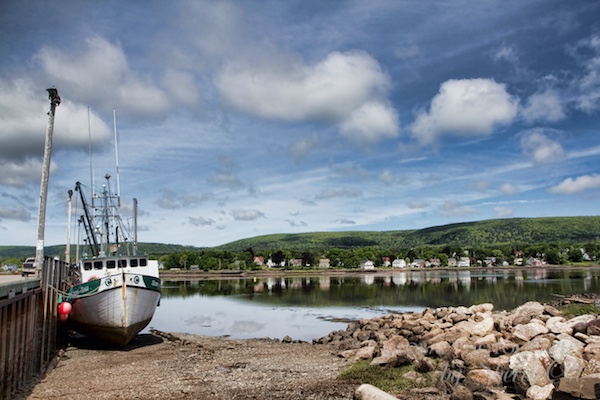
[115,290]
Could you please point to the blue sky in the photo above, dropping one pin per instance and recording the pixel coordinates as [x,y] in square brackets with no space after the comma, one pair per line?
[243,118]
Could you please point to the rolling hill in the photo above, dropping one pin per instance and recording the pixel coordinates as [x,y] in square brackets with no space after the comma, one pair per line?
[568,230]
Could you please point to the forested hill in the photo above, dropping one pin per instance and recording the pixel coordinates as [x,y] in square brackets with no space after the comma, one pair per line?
[569,230]
[154,249]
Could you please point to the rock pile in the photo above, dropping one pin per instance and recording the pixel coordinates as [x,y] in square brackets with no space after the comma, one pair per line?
[533,350]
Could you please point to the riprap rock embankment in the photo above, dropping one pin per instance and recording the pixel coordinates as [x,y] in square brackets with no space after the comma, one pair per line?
[532,350]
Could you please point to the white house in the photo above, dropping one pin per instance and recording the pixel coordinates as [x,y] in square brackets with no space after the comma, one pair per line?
[464,262]
[367,264]
[398,263]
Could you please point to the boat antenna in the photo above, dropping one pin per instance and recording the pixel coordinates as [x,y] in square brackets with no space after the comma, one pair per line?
[117,159]
[68,248]
[90,152]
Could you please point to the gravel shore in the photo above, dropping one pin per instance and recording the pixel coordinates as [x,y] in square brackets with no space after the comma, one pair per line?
[182,366]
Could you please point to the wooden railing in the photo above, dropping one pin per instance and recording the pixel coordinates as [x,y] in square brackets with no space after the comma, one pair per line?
[29,328]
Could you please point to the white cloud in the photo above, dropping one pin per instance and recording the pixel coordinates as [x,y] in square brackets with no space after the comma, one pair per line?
[541,148]
[99,73]
[468,107]
[544,106]
[579,184]
[370,123]
[24,120]
[587,52]
[344,88]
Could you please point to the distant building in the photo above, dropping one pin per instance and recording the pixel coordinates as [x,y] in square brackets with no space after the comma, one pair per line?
[464,262]
[259,260]
[386,262]
[324,263]
[398,263]
[296,262]
[367,264]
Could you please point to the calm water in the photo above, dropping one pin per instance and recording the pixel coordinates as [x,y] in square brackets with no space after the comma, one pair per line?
[307,308]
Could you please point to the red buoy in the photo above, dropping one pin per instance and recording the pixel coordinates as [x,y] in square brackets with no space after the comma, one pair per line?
[64,308]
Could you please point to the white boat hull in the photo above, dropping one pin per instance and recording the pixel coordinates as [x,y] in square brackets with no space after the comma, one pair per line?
[114,308]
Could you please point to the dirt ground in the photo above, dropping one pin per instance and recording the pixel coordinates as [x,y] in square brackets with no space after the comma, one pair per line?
[182,366]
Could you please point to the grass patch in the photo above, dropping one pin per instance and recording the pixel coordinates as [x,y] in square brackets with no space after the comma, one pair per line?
[387,379]
[574,310]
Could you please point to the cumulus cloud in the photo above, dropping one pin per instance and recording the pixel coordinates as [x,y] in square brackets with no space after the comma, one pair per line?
[348,89]
[587,52]
[540,148]
[370,123]
[247,215]
[99,73]
[23,122]
[545,107]
[577,185]
[467,107]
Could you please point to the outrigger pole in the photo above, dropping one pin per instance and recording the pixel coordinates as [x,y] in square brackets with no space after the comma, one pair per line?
[39,247]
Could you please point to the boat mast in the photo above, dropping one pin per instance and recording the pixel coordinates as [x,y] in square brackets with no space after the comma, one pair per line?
[88,222]
[135,227]
[117,159]
[39,247]
[68,249]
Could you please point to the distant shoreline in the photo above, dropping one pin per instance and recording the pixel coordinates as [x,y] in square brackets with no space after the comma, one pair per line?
[225,274]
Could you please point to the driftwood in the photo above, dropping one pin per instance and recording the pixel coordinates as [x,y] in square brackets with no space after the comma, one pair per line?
[577,299]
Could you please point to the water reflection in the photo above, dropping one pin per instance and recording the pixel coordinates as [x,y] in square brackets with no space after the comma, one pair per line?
[308,307]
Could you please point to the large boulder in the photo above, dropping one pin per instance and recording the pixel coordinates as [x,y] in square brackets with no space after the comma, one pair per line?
[527,369]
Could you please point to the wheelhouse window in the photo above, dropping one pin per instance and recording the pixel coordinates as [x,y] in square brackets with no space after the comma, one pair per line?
[98,265]
[122,263]
[133,262]
[143,262]
[87,266]
[111,264]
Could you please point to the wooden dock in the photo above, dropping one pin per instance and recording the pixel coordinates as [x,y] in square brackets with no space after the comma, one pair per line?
[28,326]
